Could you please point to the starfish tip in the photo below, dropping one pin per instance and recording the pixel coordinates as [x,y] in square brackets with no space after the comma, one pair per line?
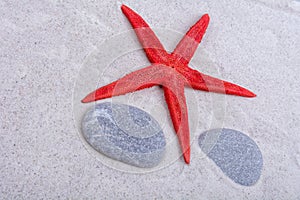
[187,156]
[249,94]
[187,161]
[206,17]
[84,100]
[88,98]
[124,7]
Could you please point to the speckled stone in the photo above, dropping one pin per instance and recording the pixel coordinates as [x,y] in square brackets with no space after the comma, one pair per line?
[234,153]
[124,133]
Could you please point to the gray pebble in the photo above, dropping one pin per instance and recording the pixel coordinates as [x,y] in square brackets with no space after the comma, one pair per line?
[234,153]
[124,133]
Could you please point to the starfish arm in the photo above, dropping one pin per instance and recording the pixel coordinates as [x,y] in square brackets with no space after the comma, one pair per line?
[186,48]
[150,43]
[138,80]
[200,81]
[178,111]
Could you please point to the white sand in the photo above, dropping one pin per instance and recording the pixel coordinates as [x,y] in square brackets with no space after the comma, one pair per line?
[43,46]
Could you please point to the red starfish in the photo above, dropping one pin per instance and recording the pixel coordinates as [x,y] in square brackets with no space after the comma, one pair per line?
[171,71]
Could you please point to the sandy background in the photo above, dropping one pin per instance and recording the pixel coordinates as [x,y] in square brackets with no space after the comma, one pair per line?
[43,48]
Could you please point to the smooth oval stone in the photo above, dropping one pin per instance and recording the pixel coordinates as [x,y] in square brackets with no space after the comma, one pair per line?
[234,153]
[124,133]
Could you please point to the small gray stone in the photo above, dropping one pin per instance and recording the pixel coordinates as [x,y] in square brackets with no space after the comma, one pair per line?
[234,153]
[124,133]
